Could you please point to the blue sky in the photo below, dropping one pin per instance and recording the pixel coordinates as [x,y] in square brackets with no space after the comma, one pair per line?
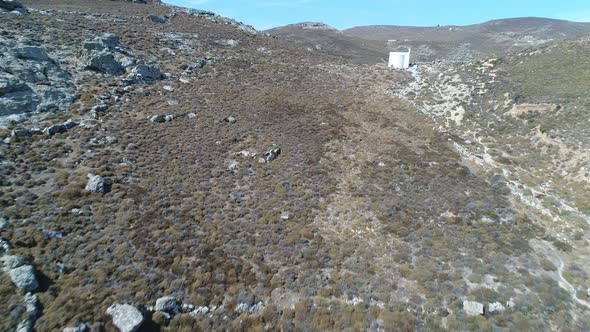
[342,14]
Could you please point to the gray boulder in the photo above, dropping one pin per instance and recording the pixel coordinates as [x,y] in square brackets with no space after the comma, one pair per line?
[24,278]
[32,53]
[473,308]
[167,304]
[162,118]
[10,5]
[83,327]
[270,156]
[98,185]
[158,18]
[4,224]
[496,307]
[8,262]
[144,73]
[125,317]
[104,63]
[25,132]
[55,129]
[99,55]
[30,82]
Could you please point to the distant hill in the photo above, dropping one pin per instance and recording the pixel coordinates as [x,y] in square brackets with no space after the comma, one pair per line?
[448,42]
[319,37]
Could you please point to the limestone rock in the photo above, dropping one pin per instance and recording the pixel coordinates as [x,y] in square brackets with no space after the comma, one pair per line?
[473,308]
[104,63]
[167,304]
[98,184]
[496,307]
[24,278]
[287,215]
[10,5]
[8,262]
[125,317]
[30,81]
[144,73]
[32,53]
[270,155]
[25,132]
[83,327]
[158,18]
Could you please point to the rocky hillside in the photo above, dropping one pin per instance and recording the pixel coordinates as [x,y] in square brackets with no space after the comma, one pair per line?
[454,43]
[169,169]
[322,38]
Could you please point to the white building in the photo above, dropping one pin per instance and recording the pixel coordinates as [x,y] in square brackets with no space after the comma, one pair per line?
[399,60]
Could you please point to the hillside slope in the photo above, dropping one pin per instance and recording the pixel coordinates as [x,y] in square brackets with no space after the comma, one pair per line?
[493,38]
[174,170]
[316,37]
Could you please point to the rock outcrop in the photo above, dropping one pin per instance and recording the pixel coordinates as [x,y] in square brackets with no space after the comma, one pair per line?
[98,185]
[22,274]
[10,5]
[30,81]
[125,317]
[167,304]
[473,308]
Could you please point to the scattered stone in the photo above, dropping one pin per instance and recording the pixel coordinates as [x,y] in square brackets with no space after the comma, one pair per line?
[144,73]
[4,224]
[270,156]
[173,102]
[187,307]
[168,88]
[25,326]
[125,317]
[26,132]
[24,278]
[167,304]
[287,215]
[52,234]
[69,124]
[158,18]
[246,154]
[4,245]
[233,166]
[191,115]
[200,63]
[229,42]
[10,5]
[473,308]
[55,129]
[32,304]
[82,327]
[8,262]
[97,184]
[510,303]
[96,110]
[201,310]
[162,118]
[250,309]
[496,307]
[60,128]
[104,63]
[230,119]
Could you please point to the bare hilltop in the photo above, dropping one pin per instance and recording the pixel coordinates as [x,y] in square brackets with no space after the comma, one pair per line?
[169,169]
